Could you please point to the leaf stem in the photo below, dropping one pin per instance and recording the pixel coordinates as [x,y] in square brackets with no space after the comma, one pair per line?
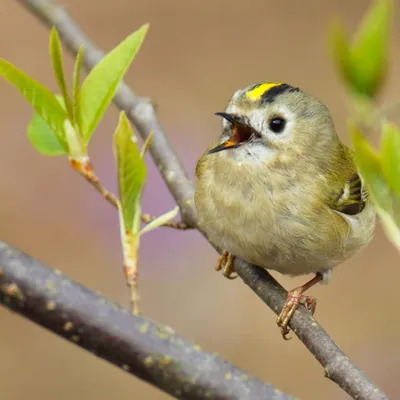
[130,245]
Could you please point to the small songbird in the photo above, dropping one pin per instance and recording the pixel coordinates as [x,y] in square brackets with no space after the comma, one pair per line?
[280,190]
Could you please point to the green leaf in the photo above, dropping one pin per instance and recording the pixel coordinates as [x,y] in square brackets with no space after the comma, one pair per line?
[131,174]
[340,48]
[369,165]
[369,50]
[40,98]
[100,85]
[161,220]
[386,203]
[57,61]
[390,156]
[45,140]
[76,88]
[363,62]
[42,138]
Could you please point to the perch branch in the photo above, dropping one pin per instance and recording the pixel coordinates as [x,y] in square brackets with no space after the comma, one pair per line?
[152,352]
[336,365]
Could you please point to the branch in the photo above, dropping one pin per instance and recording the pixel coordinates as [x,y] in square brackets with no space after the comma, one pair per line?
[140,111]
[137,345]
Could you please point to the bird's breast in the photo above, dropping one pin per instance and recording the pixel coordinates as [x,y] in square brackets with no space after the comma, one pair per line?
[249,213]
[266,217]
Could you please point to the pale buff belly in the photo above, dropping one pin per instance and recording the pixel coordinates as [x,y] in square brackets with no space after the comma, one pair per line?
[275,237]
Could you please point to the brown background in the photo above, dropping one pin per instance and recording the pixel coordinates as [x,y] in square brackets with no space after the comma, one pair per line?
[195,56]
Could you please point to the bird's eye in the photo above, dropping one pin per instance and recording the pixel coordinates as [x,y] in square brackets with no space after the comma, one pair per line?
[277,124]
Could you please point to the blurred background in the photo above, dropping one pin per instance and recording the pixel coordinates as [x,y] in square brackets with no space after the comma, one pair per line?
[195,56]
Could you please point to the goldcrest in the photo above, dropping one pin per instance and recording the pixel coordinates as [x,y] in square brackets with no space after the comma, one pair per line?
[280,190]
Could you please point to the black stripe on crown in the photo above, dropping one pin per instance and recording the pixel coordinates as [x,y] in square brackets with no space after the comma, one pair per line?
[270,95]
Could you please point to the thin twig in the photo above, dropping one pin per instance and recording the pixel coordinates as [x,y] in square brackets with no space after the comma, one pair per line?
[337,366]
[137,345]
[147,218]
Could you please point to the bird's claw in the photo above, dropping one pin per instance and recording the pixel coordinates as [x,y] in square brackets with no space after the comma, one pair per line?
[225,262]
[294,299]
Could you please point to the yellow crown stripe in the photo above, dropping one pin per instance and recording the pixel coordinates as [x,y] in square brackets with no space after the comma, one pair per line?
[258,91]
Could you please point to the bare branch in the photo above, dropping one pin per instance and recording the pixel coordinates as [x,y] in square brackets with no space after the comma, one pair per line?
[141,112]
[152,352]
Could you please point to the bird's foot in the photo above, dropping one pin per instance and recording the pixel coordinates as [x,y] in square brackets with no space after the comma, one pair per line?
[225,262]
[294,298]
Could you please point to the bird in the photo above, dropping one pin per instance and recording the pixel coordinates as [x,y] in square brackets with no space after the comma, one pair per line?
[280,190]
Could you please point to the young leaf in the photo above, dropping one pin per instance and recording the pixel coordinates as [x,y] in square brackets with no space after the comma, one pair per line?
[363,63]
[161,220]
[42,138]
[369,164]
[131,174]
[57,61]
[340,49]
[369,50]
[76,146]
[100,85]
[45,140]
[40,98]
[76,88]
[385,202]
[390,156]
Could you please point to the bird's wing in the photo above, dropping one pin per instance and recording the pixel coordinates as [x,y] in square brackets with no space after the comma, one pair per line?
[352,197]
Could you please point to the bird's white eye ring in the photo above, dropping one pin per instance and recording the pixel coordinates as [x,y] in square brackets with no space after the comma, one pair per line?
[277,124]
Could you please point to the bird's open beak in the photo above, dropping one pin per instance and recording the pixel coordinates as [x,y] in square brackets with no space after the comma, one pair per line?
[240,133]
